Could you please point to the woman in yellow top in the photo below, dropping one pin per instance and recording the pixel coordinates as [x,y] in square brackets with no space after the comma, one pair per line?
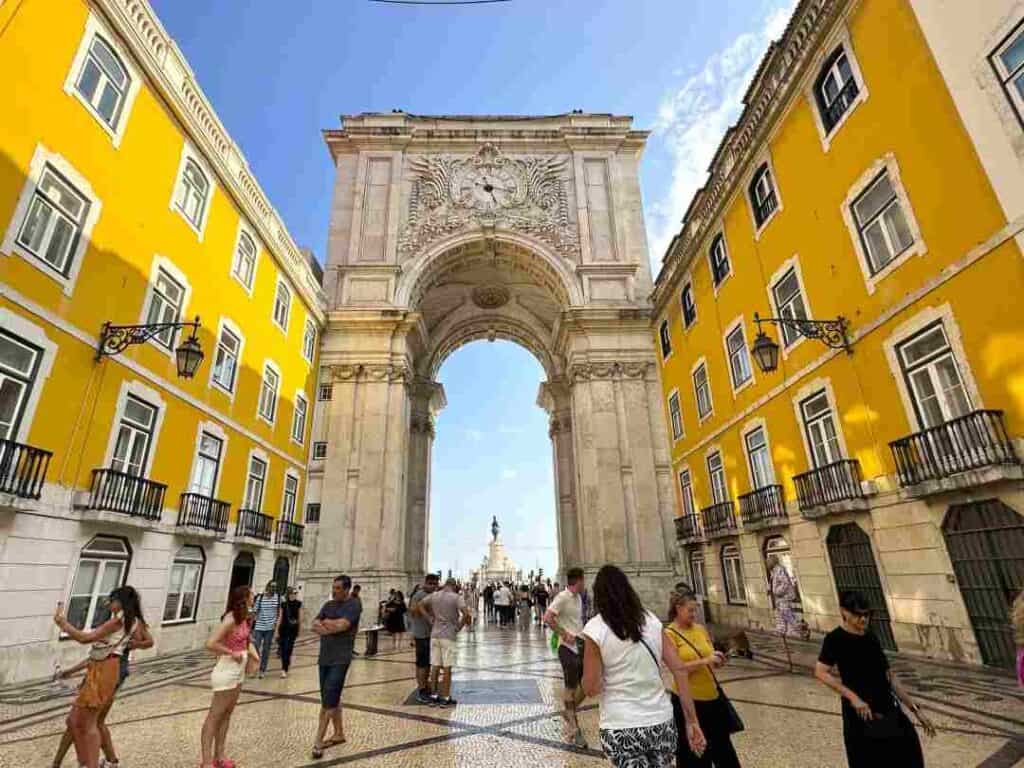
[693,644]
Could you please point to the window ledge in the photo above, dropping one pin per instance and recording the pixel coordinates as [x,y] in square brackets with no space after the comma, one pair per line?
[771,217]
[748,383]
[66,283]
[828,136]
[247,288]
[718,286]
[706,417]
[917,248]
[191,224]
[265,420]
[178,622]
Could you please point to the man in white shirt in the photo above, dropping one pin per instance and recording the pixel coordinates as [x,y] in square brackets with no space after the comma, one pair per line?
[503,602]
[565,617]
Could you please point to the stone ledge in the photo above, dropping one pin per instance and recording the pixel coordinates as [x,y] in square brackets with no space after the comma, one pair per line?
[961,481]
[836,508]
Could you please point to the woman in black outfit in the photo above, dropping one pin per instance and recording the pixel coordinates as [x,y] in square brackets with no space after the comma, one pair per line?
[394,618]
[291,621]
[876,730]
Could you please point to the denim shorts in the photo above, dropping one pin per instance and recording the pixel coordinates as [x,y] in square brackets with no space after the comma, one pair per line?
[332,682]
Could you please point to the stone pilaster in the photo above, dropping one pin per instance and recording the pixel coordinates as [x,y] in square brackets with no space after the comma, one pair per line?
[555,398]
[426,398]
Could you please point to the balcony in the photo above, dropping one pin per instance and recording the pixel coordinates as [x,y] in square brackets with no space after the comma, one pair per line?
[720,520]
[253,525]
[22,471]
[203,514]
[971,450]
[835,487]
[289,534]
[763,508]
[688,529]
[134,501]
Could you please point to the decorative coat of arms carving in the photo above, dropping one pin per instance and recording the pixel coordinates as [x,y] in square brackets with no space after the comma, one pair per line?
[453,193]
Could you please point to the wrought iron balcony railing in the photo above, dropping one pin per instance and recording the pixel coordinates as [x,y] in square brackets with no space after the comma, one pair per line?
[766,207]
[838,481]
[254,525]
[198,511]
[974,441]
[688,528]
[720,519]
[289,533]
[23,469]
[834,111]
[763,506]
[114,491]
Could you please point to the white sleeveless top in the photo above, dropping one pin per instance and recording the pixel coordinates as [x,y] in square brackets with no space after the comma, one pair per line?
[633,695]
[110,645]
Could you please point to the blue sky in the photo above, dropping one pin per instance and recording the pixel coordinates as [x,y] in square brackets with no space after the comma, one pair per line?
[279,73]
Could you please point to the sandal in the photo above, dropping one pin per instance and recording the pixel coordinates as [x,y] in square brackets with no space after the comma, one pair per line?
[318,752]
[334,741]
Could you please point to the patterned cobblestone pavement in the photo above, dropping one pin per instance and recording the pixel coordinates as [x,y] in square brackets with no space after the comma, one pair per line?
[509,686]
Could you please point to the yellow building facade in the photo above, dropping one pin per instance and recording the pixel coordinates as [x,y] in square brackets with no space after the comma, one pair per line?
[850,189]
[123,200]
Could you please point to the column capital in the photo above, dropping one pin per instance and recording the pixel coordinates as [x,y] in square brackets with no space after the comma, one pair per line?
[611,369]
[370,372]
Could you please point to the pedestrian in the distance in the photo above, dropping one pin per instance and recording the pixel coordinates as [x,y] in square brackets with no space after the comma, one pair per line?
[448,614]
[876,730]
[266,623]
[337,625]
[394,618]
[236,657]
[623,645]
[290,623]
[419,625]
[692,643]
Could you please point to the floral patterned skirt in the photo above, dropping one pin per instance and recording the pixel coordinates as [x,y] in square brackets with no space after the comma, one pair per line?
[652,746]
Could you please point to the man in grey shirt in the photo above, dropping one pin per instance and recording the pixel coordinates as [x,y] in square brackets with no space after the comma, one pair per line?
[419,625]
[448,614]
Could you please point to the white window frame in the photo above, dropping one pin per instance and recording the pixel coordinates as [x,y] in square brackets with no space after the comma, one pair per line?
[162,263]
[735,554]
[149,396]
[665,335]
[102,557]
[758,425]
[912,327]
[319,452]
[763,159]
[189,153]
[225,324]
[309,338]
[189,564]
[258,455]
[1003,76]
[215,430]
[687,502]
[702,417]
[719,237]
[41,158]
[29,333]
[269,365]
[675,416]
[886,164]
[695,561]
[713,489]
[300,396]
[245,232]
[290,475]
[841,38]
[688,286]
[95,27]
[282,283]
[790,264]
[738,325]
[321,389]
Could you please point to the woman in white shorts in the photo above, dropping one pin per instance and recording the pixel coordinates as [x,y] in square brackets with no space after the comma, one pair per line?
[230,641]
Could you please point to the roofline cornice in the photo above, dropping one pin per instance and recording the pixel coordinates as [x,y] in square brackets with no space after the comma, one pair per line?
[778,76]
[170,74]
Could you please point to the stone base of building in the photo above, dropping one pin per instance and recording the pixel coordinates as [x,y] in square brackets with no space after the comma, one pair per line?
[652,581]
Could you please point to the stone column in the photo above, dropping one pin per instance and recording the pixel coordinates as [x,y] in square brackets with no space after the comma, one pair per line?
[556,400]
[426,398]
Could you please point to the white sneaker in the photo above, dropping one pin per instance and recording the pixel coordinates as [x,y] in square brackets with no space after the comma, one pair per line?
[283,674]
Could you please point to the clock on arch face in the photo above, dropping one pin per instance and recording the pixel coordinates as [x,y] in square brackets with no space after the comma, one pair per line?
[490,188]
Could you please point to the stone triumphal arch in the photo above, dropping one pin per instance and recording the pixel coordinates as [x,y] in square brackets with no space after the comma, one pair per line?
[445,230]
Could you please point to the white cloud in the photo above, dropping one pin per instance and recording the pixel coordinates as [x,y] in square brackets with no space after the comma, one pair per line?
[509,474]
[693,118]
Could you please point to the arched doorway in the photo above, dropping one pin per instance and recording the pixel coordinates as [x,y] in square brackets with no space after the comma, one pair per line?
[442,237]
[985,540]
[853,566]
[281,569]
[243,570]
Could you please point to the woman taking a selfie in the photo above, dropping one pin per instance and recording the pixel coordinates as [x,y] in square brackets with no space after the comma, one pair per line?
[876,730]
[110,641]
[236,655]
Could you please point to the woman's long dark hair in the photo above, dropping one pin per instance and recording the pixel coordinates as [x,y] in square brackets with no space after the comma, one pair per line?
[238,604]
[618,604]
[131,607]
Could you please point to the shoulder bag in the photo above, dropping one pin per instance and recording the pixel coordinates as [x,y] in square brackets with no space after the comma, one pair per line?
[734,723]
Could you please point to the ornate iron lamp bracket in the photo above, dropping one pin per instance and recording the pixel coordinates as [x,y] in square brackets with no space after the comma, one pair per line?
[114,339]
[831,333]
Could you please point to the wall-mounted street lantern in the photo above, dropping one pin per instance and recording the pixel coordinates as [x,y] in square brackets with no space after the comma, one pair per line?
[116,338]
[831,333]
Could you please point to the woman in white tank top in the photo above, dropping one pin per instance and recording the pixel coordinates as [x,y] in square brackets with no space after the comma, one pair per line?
[623,646]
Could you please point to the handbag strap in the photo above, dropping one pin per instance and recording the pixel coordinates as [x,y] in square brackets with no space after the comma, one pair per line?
[682,637]
[653,657]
